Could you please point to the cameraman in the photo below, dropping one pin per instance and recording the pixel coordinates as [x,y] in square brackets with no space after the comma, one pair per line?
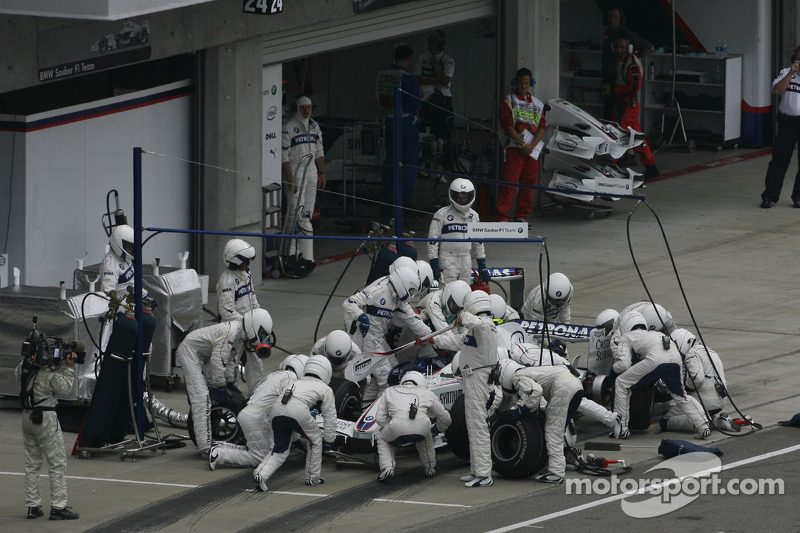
[41,433]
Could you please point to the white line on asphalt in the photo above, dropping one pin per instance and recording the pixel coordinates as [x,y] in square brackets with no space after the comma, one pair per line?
[617,497]
[291,493]
[112,480]
[420,503]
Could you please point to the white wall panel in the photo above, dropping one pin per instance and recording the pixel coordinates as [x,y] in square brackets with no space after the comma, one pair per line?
[70,168]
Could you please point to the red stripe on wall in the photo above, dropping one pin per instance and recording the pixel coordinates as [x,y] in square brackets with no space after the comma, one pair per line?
[683,28]
[759,110]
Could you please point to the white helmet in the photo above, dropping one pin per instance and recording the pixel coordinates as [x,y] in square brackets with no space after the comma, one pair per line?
[121,241]
[685,340]
[237,252]
[453,297]
[498,306]
[462,194]
[405,261]
[478,302]
[296,363]
[318,366]
[508,367]
[414,378]
[256,329]
[658,318]
[607,319]
[338,346]
[630,320]
[404,280]
[426,281]
[559,289]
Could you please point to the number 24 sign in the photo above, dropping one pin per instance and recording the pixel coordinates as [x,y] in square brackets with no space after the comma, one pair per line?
[262,7]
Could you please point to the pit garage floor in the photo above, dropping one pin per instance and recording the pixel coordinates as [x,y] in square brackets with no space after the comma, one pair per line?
[737,265]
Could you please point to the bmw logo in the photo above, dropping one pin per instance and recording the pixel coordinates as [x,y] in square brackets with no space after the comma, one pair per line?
[519,230]
[558,294]
[450,218]
[297,130]
[383,301]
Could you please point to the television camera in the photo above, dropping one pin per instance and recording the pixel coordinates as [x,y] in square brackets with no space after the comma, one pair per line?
[43,351]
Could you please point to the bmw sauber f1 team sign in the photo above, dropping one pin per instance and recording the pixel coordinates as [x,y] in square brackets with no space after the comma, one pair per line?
[262,7]
[505,230]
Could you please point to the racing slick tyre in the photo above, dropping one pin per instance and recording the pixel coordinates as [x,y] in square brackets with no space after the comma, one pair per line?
[224,426]
[142,36]
[347,398]
[102,46]
[641,410]
[456,434]
[518,448]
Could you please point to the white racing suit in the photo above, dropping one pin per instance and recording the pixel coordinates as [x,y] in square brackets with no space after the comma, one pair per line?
[380,303]
[116,274]
[700,381]
[397,427]
[255,421]
[295,417]
[235,293]
[563,393]
[300,139]
[207,357]
[45,440]
[528,355]
[338,369]
[455,261]
[532,309]
[452,340]
[654,363]
[478,358]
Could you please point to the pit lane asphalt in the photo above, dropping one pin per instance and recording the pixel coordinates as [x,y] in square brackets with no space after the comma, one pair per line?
[738,264]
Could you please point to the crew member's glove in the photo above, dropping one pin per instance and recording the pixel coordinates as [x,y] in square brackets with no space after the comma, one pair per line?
[483,271]
[232,387]
[420,342]
[435,430]
[327,446]
[434,262]
[558,346]
[518,412]
[222,395]
[363,324]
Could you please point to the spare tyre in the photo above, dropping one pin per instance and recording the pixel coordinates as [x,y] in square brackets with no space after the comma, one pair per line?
[518,448]
[456,435]
[347,398]
[641,407]
[222,418]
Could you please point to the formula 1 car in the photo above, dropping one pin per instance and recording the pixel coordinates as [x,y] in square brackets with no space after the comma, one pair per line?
[132,34]
[518,448]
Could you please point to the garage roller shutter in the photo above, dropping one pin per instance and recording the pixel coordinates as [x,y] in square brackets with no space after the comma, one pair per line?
[370,27]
